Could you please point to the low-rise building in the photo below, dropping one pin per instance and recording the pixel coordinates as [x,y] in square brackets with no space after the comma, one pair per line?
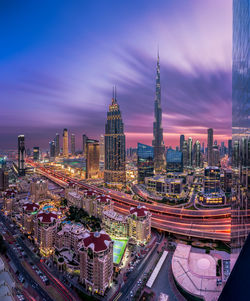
[164,185]
[115,224]
[39,189]
[27,216]
[139,223]
[96,262]
[100,204]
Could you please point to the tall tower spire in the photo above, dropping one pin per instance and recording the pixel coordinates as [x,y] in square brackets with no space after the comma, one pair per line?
[158,144]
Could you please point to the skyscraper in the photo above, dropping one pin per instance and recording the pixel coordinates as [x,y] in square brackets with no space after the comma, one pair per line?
[73,144]
[102,152]
[36,153]
[190,152]
[57,145]
[158,144]
[182,138]
[84,139]
[115,150]
[21,155]
[174,161]
[145,161]
[210,142]
[185,153]
[229,148]
[197,154]
[92,158]
[65,143]
[52,149]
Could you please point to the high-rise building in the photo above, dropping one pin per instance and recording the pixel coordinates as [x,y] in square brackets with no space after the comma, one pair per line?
[182,138]
[190,151]
[4,179]
[65,143]
[230,148]
[96,262]
[102,149]
[185,153]
[158,143]
[36,153]
[197,154]
[57,145]
[114,172]
[52,149]
[92,158]
[145,161]
[174,160]
[211,182]
[84,140]
[21,155]
[215,155]
[210,143]
[73,144]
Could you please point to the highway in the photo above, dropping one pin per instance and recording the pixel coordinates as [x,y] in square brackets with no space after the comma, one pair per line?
[208,224]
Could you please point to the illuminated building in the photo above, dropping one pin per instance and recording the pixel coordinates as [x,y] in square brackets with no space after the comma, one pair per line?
[190,152]
[215,155]
[21,155]
[100,204]
[115,224]
[70,236]
[164,185]
[57,145]
[74,197]
[87,202]
[52,149]
[73,144]
[114,172]
[102,149]
[197,154]
[96,262]
[211,182]
[9,199]
[230,148]
[210,143]
[4,179]
[227,180]
[92,158]
[28,213]
[39,189]
[158,143]
[139,221]
[45,229]
[145,161]
[84,140]
[36,153]
[65,143]
[174,161]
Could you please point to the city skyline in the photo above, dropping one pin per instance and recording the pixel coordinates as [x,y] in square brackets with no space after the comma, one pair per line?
[50,90]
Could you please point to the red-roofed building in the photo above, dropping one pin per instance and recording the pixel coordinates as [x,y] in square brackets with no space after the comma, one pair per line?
[139,221]
[96,261]
[45,228]
[28,213]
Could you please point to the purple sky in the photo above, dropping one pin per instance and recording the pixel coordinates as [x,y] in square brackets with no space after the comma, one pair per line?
[59,62]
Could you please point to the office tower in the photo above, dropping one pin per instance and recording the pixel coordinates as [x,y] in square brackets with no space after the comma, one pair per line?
[102,150]
[203,148]
[210,143]
[52,149]
[92,158]
[65,143]
[96,261]
[174,159]
[222,149]
[211,182]
[28,153]
[57,145]
[21,155]
[84,139]
[158,144]
[229,145]
[190,152]
[36,153]
[114,172]
[182,138]
[145,161]
[197,154]
[185,153]
[73,144]
[215,155]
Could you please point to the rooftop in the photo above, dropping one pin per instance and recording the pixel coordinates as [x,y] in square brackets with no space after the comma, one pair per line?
[97,241]
[139,211]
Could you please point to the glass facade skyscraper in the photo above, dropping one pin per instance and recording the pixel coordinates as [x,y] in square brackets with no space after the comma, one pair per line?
[145,161]
[174,161]
[115,150]
[158,144]
[21,155]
